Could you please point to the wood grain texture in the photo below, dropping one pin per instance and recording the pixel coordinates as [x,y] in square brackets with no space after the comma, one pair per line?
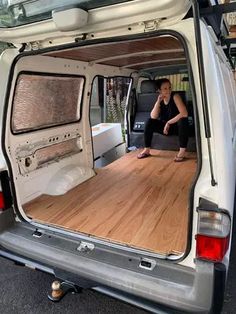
[139,203]
[122,52]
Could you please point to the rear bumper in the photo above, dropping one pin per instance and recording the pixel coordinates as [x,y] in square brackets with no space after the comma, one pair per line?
[117,273]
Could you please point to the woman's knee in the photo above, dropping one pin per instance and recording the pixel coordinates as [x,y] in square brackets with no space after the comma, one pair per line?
[150,122]
[183,120]
[183,123]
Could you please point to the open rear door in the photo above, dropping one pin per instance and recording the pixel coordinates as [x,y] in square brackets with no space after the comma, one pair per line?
[60,22]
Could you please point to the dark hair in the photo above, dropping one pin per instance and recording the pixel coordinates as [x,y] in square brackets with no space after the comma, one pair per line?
[159,82]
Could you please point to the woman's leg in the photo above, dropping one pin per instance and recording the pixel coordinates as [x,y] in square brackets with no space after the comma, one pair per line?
[183,137]
[151,126]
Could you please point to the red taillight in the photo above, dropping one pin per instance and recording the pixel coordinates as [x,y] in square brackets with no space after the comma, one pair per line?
[210,248]
[213,235]
[2,204]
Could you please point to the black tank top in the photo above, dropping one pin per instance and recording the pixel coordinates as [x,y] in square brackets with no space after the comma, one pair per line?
[170,110]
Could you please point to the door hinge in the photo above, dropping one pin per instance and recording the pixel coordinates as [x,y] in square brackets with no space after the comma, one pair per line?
[35,45]
[151,25]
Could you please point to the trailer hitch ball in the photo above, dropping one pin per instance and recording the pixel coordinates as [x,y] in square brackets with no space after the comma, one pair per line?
[57,292]
[59,289]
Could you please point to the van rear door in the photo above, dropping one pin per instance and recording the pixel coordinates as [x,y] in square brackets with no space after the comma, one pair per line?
[60,22]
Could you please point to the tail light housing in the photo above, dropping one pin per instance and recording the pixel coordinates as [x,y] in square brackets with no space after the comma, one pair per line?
[5,193]
[213,235]
[2,203]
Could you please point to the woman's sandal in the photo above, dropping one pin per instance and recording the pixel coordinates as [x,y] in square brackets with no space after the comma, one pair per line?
[143,155]
[179,158]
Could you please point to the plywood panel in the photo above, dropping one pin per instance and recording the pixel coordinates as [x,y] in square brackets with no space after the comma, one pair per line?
[119,51]
[140,203]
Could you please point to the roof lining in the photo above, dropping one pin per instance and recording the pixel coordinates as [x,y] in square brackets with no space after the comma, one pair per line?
[129,54]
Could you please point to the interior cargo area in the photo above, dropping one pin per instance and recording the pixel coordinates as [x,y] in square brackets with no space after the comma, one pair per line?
[76,167]
[141,204]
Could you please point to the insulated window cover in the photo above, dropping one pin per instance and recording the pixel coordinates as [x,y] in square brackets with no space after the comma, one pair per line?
[44,100]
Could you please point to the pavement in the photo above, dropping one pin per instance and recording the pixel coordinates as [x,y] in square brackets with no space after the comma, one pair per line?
[24,291]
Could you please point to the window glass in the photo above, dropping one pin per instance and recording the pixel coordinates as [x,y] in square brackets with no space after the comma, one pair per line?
[109,99]
[116,98]
[20,12]
[46,100]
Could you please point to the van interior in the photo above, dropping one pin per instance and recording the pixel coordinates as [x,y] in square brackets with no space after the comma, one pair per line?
[77,124]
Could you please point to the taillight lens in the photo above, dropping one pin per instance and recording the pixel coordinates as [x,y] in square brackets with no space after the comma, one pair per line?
[211,248]
[2,204]
[213,235]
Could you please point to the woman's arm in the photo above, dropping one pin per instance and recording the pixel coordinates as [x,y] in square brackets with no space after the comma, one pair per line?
[183,113]
[156,109]
[181,107]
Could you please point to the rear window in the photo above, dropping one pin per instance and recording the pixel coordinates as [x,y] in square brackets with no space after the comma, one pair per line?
[45,100]
[20,12]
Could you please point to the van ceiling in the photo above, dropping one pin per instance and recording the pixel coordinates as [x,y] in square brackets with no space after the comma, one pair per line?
[141,54]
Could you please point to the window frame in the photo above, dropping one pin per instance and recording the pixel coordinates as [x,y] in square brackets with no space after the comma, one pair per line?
[80,104]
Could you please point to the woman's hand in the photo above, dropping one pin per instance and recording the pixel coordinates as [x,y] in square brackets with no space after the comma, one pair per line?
[166,128]
[159,98]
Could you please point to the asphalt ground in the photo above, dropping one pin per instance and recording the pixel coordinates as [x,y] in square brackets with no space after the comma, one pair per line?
[24,291]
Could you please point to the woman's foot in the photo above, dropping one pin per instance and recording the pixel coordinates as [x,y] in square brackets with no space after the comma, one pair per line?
[144,154]
[180,156]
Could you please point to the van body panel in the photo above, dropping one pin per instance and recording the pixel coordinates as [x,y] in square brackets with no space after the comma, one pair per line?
[222,122]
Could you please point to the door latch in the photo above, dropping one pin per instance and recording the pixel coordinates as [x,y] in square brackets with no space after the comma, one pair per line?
[85,247]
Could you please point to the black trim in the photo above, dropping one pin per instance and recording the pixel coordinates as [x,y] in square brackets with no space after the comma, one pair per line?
[75,279]
[131,109]
[219,288]
[201,67]
[89,117]
[207,205]
[199,48]
[45,74]
[22,48]
[24,261]
[6,190]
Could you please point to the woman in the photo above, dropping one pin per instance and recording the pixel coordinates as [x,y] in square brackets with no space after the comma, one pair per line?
[168,116]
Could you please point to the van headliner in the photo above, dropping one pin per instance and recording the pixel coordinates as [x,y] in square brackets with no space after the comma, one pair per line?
[136,54]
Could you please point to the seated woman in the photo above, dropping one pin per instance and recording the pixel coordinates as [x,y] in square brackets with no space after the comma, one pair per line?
[169,116]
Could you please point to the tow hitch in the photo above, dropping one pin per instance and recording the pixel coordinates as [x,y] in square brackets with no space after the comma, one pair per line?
[60,289]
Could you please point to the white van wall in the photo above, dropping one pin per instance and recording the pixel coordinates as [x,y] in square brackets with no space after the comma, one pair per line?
[53,178]
[221,103]
[222,148]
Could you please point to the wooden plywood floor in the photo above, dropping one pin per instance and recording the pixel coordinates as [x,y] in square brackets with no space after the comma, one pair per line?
[139,203]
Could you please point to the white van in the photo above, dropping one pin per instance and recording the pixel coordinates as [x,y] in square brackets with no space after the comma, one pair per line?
[76,202]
